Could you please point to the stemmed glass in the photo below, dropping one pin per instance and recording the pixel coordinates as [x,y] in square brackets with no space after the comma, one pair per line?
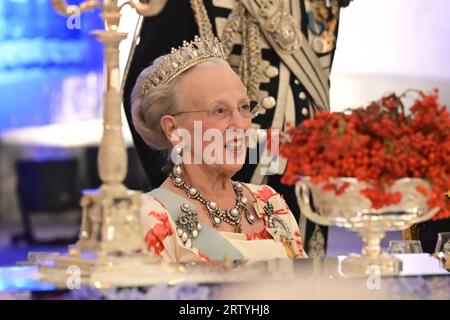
[404,246]
[443,245]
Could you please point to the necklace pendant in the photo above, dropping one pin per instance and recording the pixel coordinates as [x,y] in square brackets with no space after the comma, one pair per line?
[250,217]
[216,221]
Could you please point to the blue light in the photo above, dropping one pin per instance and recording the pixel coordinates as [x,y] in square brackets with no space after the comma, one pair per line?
[17,279]
[38,52]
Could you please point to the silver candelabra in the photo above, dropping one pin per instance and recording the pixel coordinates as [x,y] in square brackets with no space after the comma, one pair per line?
[110,250]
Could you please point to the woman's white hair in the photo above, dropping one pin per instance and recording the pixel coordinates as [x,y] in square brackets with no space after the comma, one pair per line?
[148,108]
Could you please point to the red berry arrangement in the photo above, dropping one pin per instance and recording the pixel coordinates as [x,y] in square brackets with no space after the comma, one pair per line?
[377,144]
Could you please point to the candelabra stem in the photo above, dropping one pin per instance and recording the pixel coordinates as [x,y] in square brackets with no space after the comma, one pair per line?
[112,157]
[111,250]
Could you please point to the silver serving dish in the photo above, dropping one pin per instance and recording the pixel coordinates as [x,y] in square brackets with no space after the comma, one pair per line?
[354,211]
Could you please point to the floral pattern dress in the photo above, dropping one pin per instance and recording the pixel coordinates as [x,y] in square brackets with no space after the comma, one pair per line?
[161,238]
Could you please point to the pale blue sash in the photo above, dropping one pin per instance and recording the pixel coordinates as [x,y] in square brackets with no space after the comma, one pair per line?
[209,240]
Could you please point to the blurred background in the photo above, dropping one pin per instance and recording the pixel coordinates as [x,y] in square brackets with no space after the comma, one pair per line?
[51,98]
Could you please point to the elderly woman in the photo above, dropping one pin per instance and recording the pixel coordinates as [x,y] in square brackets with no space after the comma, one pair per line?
[199,213]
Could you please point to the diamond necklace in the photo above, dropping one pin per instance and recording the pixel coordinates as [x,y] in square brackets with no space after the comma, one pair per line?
[232,216]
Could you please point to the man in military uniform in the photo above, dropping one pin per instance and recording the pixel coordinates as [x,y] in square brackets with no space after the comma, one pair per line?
[283,51]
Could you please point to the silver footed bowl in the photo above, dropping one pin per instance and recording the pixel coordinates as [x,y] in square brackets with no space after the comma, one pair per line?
[352,210]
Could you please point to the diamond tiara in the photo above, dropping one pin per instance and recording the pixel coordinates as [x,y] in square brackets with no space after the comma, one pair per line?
[183,58]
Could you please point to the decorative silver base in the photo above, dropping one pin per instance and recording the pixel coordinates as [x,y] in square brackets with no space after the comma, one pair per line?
[110,251]
[70,272]
[365,266]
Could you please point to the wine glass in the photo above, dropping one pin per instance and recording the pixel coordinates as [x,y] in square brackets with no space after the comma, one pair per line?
[443,245]
[404,246]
